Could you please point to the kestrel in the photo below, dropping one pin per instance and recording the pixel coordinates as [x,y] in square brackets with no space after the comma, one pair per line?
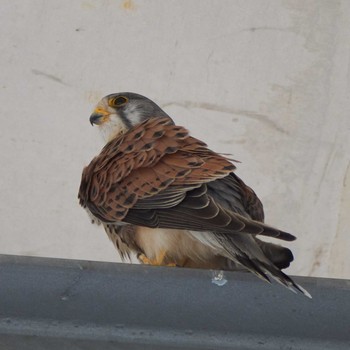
[165,196]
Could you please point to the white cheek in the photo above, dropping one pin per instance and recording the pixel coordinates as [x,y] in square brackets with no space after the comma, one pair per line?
[134,117]
[112,128]
[133,114]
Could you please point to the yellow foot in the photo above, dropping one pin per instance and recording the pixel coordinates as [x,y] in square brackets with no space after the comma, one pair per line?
[160,260]
[144,260]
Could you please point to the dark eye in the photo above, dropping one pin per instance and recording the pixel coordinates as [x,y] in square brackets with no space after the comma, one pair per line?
[118,101]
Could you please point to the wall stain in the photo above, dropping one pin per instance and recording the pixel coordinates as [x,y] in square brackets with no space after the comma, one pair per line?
[266,28]
[49,76]
[317,262]
[340,244]
[222,109]
[330,157]
[128,5]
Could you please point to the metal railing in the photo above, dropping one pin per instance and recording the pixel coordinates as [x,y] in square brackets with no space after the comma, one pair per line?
[68,304]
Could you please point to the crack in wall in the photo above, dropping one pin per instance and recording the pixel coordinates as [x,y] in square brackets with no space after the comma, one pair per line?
[49,76]
[223,109]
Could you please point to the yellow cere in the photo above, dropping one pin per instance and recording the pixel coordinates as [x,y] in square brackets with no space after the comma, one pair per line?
[102,111]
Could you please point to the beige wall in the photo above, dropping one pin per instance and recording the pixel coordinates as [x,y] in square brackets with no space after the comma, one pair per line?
[267,81]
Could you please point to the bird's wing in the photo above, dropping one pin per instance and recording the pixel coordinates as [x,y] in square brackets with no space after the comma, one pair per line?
[236,196]
[156,175]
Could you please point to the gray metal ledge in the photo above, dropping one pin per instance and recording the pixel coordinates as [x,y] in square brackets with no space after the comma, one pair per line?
[68,304]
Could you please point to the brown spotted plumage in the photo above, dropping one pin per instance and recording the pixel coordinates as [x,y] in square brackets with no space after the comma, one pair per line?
[163,195]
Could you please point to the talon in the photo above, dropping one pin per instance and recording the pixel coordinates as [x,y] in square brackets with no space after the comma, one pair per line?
[160,260]
[144,260]
[170,265]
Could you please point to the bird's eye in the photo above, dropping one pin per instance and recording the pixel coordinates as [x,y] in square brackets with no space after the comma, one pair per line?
[118,101]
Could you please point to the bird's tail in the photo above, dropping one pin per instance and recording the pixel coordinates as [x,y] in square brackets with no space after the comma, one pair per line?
[265,260]
[280,256]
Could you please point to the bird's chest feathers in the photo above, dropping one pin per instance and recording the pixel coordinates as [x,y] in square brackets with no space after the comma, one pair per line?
[176,244]
[152,241]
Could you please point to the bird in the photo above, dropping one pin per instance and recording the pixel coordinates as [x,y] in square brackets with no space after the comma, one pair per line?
[164,196]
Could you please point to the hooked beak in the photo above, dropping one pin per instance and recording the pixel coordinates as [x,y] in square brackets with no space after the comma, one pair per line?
[99,116]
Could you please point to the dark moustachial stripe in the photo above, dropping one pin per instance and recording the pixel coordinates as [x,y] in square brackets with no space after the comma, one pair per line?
[125,120]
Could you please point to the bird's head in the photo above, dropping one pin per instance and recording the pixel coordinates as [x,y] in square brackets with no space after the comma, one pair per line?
[117,113]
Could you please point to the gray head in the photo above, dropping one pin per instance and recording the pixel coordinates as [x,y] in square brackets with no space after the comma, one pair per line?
[117,113]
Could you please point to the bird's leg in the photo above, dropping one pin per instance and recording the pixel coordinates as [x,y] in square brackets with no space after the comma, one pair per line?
[159,260]
[144,260]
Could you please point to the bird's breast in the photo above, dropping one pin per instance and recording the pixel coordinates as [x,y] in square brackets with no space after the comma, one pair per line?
[178,245]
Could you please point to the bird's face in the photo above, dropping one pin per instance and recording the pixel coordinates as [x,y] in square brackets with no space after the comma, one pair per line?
[115,114]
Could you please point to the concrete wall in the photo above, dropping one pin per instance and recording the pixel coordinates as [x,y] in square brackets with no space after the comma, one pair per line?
[267,81]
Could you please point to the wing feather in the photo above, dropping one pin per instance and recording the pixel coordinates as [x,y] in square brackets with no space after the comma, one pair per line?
[157,175]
